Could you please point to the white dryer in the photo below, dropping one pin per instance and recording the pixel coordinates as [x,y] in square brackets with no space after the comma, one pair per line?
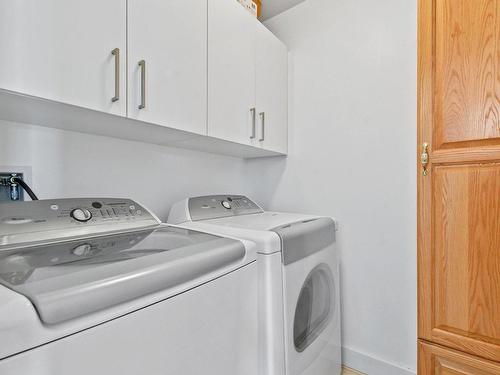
[298,272]
[100,286]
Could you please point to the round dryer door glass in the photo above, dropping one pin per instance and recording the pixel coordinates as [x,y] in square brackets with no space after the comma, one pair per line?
[315,307]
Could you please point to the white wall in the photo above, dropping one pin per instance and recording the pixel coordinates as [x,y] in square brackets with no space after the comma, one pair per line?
[351,156]
[68,164]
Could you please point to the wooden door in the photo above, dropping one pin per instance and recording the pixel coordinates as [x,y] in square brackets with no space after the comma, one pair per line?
[437,360]
[171,37]
[231,71]
[459,198]
[271,91]
[62,50]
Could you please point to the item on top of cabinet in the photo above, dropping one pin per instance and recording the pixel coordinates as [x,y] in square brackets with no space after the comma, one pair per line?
[251,6]
[257,5]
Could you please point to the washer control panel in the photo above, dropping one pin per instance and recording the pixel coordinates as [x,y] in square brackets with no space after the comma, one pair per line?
[32,221]
[217,206]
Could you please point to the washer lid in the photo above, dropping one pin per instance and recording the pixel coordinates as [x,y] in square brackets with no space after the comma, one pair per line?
[71,279]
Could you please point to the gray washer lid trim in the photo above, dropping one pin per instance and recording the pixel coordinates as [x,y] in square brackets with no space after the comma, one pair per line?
[302,239]
[74,295]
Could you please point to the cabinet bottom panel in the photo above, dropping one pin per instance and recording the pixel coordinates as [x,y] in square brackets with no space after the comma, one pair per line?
[438,360]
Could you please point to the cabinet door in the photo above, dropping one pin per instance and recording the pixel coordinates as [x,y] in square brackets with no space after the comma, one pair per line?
[62,50]
[436,360]
[459,195]
[170,36]
[231,70]
[271,90]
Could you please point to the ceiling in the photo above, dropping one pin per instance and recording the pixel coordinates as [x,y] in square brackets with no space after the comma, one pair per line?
[270,8]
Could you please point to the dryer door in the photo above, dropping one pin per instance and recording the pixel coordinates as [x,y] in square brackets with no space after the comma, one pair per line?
[311,298]
[315,307]
[312,315]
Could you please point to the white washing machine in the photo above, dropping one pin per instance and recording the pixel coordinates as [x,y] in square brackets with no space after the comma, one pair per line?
[298,271]
[99,286]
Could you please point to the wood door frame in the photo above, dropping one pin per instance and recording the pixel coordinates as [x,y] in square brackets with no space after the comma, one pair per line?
[462,154]
[425,110]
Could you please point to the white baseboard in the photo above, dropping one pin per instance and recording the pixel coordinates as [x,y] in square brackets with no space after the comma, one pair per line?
[370,365]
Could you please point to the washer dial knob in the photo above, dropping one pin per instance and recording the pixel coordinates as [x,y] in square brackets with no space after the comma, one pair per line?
[81,214]
[226,205]
[82,250]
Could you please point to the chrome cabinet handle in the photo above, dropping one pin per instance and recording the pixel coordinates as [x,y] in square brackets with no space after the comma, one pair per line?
[263,125]
[252,111]
[116,54]
[142,65]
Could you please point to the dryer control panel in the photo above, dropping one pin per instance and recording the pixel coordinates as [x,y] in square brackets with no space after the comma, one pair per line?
[55,219]
[217,206]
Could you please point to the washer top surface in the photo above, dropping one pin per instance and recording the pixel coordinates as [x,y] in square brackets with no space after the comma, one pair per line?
[98,259]
[71,279]
[264,221]
[245,220]
[230,211]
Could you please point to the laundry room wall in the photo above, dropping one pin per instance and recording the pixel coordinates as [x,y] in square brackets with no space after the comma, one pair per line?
[352,137]
[69,164]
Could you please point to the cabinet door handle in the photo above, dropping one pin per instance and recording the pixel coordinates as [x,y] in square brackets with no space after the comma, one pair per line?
[424,158]
[252,111]
[142,65]
[263,125]
[116,54]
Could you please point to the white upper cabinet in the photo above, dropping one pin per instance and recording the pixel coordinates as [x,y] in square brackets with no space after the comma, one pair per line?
[231,71]
[200,74]
[272,91]
[247,79]
[62,50]
[167,57]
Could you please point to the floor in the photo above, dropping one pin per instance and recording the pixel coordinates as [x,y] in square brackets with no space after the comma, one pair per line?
[348,371]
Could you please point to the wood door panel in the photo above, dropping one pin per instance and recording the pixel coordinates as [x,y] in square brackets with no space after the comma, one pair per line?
[436,360]
[467,77]
[466,267]
[459,197]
